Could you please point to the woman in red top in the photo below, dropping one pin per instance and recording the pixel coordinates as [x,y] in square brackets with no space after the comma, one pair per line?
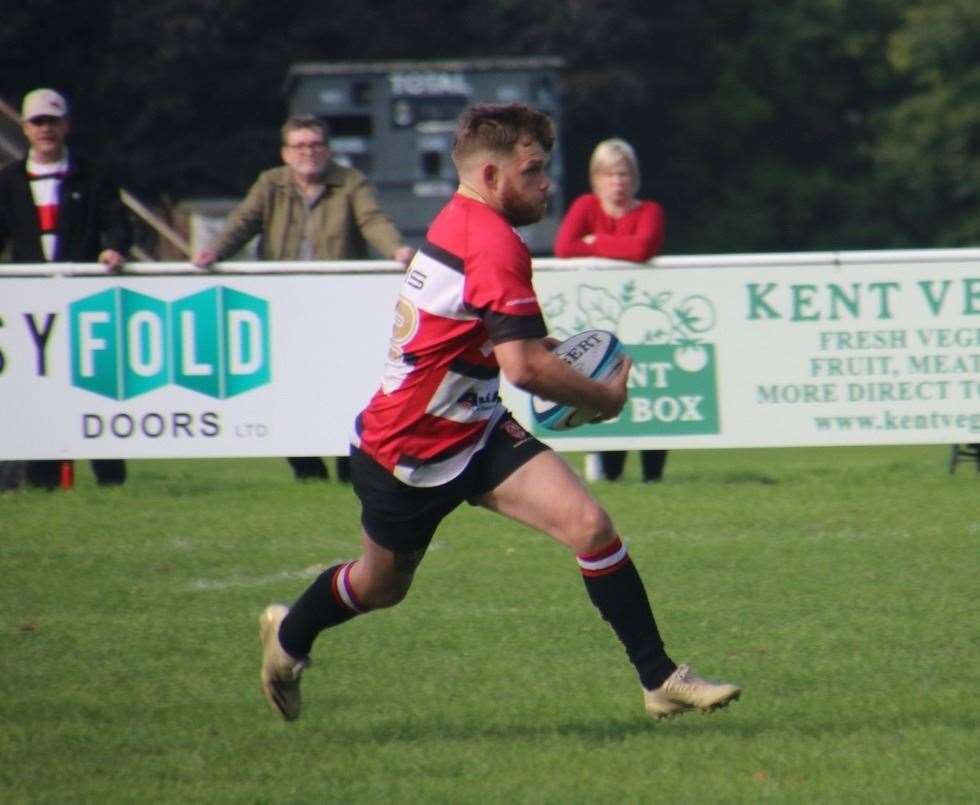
[612,222]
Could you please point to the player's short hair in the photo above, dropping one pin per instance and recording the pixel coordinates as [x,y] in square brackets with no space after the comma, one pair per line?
[499,128]
[612,150]
[299,122]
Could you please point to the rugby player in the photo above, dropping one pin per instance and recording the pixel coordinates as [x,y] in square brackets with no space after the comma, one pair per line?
[435,433]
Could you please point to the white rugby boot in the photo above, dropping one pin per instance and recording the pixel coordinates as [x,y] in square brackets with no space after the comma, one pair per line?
[280,671]
[683,691]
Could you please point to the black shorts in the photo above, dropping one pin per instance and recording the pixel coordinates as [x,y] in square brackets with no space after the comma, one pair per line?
[403,518]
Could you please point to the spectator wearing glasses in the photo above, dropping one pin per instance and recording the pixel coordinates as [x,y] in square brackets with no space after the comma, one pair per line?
[310,208]
[58,207]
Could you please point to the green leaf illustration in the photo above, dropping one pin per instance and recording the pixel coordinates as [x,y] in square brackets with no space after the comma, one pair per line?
[600,308]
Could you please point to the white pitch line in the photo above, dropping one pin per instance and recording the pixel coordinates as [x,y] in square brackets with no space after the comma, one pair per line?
[257,581]
[312,571]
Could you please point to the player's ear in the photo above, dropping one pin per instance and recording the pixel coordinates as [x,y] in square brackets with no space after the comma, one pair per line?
[490,175]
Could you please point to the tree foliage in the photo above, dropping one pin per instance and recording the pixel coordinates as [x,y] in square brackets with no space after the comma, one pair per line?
[809,124]
[928,152]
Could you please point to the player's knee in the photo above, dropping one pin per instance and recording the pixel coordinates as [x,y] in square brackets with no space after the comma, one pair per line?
[387,594]
[592,530]
[382,580]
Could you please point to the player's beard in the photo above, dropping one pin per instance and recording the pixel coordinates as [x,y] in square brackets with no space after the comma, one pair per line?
[519,211]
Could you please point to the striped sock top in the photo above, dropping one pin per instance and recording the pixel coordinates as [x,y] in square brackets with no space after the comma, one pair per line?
[603,562]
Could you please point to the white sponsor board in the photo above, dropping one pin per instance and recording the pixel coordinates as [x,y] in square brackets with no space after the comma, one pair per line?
[843,350]
[189,366]
[741,351]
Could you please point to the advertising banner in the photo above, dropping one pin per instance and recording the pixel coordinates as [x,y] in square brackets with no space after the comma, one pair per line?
[832,353]
[736,352]
[103,367]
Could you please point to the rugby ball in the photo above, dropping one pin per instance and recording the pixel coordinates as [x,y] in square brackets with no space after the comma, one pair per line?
[595,353]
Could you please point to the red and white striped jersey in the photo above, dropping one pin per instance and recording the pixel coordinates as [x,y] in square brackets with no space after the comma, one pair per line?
[467,289]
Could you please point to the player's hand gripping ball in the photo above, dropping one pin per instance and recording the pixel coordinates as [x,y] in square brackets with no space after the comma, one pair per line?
[594,353]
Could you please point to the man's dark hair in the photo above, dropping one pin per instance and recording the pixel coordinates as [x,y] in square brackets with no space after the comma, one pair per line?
[499,128]
[299,122]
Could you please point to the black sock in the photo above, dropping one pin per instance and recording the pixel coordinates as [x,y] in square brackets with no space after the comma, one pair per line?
[327,602]
[617,591]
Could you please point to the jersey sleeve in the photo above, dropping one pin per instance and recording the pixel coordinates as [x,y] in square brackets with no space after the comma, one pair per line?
[498,288]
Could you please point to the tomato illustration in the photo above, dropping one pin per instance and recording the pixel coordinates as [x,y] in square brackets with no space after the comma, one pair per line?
[690,357]
[696,314]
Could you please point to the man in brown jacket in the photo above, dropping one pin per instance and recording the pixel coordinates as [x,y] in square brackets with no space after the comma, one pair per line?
[311,208]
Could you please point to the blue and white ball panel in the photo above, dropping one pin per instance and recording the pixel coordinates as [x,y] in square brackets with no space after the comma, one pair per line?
[595,353]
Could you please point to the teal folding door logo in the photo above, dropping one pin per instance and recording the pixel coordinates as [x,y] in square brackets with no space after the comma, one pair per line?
[125,343]
[221,342]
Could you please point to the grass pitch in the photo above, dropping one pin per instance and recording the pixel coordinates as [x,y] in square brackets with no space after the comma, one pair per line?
[838,586]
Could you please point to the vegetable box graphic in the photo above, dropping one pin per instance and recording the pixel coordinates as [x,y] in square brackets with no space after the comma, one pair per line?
[673,387]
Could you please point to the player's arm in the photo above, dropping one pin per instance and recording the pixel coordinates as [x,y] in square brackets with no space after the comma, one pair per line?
[530,365]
